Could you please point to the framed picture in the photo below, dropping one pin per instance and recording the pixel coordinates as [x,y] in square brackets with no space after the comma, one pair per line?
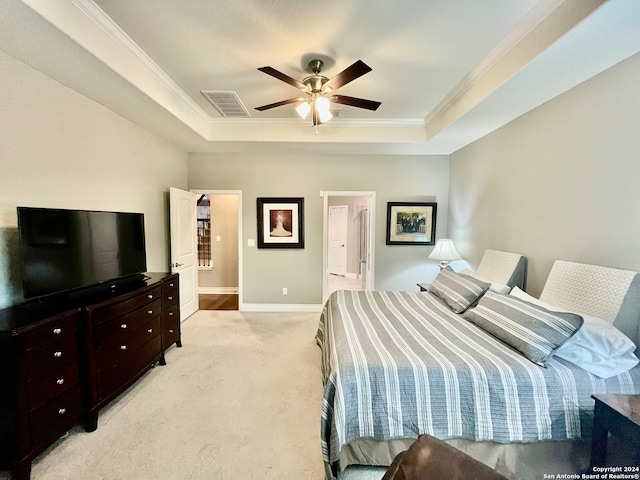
[411,223]
[280,222]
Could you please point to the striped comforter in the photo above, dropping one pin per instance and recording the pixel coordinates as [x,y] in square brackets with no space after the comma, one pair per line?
[398,364]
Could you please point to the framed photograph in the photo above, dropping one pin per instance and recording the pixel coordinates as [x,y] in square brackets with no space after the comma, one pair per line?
[280,222]
[411,223]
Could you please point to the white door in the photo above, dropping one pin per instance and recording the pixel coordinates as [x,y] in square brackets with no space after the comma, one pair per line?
[337,240]
[184,247]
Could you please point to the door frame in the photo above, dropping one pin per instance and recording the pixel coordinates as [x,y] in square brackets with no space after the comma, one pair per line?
[240,251]
[325,240]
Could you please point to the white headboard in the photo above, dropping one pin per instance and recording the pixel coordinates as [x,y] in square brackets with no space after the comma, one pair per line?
[607,293]
[503,267]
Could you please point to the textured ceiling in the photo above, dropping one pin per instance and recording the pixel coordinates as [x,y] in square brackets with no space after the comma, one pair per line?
[446,71]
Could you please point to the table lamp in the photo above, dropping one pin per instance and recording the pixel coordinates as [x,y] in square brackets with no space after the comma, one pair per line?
[444,251]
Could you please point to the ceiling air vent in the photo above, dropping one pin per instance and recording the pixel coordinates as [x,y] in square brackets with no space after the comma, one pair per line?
[228,104]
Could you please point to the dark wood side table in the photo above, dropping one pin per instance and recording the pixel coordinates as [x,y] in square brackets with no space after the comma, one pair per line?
[620,415]
[423,286]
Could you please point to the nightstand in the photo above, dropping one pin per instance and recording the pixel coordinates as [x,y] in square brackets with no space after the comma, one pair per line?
[423,286]
[620,415]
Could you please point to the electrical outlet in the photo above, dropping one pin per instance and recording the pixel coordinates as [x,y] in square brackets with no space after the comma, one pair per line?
[284,290]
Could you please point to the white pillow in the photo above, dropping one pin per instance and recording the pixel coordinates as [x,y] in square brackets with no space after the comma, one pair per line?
[495,287]
[597,347]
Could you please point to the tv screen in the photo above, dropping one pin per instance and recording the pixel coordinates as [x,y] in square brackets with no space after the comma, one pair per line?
[65,250]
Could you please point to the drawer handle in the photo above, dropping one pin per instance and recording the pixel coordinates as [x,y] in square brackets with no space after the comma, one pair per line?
[57,354]
[150,330]
[60,381]
[57,331]
[123,347]
[150,312]
[171,330]
[123,326]
[62,411]
[171,284]
[170,298]
[150,296]
[171,314]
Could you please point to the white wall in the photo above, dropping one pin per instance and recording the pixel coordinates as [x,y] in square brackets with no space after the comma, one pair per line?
[393,178]
[561,182]
[60,149]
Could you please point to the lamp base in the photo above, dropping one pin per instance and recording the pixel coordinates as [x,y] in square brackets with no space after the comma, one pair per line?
[444,264]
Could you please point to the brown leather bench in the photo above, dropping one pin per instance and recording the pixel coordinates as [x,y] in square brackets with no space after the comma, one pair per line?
[431,459]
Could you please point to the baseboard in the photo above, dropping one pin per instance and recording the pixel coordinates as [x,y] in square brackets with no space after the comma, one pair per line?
[280,307]
[217,290]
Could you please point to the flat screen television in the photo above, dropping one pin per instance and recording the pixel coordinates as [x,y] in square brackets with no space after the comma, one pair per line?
[71,250]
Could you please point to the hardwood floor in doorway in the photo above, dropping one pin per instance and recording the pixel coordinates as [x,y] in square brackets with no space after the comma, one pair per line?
[218,302]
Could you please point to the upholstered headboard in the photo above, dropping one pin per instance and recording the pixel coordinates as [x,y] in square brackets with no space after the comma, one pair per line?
[503,267]
[607,293]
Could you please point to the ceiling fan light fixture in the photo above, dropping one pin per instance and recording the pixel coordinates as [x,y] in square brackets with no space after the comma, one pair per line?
[325,115]
[303,109]
[323,104]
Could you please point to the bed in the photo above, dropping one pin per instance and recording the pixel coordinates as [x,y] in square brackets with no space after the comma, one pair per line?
[400,364]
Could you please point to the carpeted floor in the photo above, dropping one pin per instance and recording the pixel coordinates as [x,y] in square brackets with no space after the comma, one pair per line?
[240,400]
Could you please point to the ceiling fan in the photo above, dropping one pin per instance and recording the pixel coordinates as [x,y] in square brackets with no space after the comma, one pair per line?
[319,90]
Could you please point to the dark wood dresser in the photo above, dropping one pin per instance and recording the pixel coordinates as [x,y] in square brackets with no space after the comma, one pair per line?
[60,365]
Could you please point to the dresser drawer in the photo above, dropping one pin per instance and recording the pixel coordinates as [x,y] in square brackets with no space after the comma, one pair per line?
[112,379]
[120,326]
[107,312]
[45,388]
[55,328]
[120,348]
[169,295]
[57,416]
[170,325]
[51,356]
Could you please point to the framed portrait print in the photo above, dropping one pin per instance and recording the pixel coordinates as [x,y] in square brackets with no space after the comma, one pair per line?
[411,223]
[280,222]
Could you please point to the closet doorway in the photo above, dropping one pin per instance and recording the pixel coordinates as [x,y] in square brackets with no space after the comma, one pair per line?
[348,243]
[219,259]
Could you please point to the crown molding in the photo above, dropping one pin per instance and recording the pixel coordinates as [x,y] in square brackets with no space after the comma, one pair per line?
[540,28]
[298,122]
[86,24]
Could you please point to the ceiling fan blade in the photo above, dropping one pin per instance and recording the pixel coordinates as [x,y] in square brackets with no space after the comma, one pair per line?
[349,74]
[279,104]
[356,102]
[285,78]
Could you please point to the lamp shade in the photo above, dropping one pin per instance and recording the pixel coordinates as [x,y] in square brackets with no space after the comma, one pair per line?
[445,250]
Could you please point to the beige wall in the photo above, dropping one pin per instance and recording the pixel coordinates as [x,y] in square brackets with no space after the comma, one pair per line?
[60,149]
[224,253]
[561,182]
[393,178]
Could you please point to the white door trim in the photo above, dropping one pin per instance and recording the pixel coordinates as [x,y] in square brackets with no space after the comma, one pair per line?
[372,228]
[239,193]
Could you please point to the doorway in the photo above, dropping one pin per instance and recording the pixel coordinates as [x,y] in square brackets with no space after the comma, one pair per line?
[348,241]
[219,271]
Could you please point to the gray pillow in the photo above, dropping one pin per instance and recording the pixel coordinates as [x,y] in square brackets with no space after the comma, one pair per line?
[532,330]
[458,290]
